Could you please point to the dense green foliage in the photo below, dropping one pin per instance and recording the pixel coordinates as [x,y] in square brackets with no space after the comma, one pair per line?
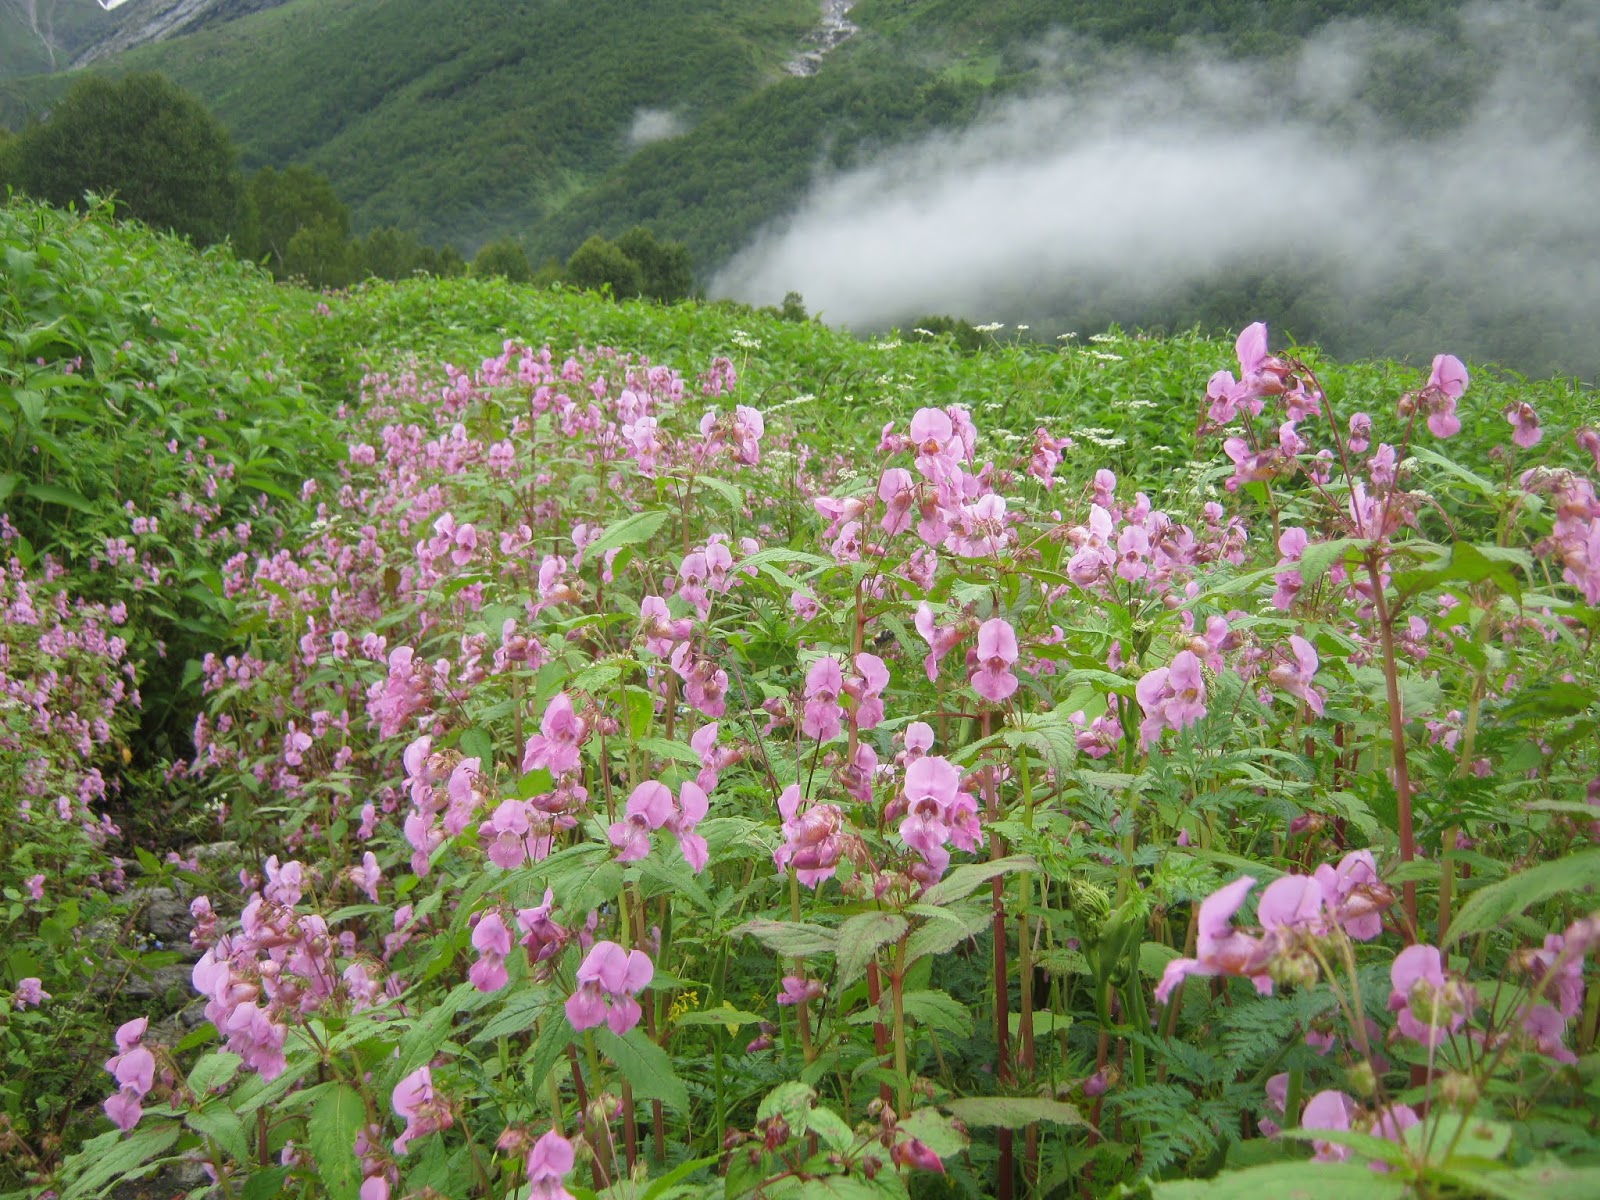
[170,163]
[116,344]
[278,496]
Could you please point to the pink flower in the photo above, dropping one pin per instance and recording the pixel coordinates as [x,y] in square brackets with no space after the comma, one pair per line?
[424,1112]
[997,651]
[690,809]
[35,886]
[548,1163]
[898,491]
[492,940]
[1355,896]
[865,688]
[1295,678]
[649,808]
[1446,383]
[368,875]
[823,715]
[1525,430]
[541,936]
[933,435]
[937,812]
[1431,1005]
[561,733]
[940,640]
[30,991]
[1223,950]
[812,843]
[134,1069]
[608,980]
[660,631]
[1329,1110]
[915,1154]
[798,990]
[1173,697]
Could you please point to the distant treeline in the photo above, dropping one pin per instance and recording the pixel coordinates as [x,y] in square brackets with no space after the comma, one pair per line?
[171,164]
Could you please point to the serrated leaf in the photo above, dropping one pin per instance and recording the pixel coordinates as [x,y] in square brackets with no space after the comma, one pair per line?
[223,1126]
[1288,1181]
[520,1013]
[791,1101]
[331,1131]
[859,939]
[830,1127]
[967,878]
[1488,906]
[214,1070]
[727,1016]
[1012,1112]
[112,1156]
[789,937]
[940,934]
[934,1130]
[938,1010]
[640,527]
[646,1066]
[1318,558]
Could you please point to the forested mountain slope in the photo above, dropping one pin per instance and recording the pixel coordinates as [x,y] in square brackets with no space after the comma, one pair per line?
[1011,137]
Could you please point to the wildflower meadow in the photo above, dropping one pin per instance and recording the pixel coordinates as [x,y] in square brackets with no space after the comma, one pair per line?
[584,749]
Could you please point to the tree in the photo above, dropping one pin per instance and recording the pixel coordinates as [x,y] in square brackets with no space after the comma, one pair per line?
[285,202]
[505,258]
[665,269]
[599,264]
[392,253]
[169,162]
[322,255]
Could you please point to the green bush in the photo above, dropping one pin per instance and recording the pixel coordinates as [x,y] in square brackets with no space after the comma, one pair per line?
[167,160]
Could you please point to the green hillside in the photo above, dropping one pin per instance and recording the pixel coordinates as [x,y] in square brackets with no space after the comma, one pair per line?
[522,119]
[471,121]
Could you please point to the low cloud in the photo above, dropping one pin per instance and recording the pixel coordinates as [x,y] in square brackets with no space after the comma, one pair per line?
[1167,173]
[654,125]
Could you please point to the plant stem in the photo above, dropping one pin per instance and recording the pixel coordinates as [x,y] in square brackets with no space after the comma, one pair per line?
[1397,740]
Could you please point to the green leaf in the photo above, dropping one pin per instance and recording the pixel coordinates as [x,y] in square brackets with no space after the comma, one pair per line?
[938,1010]
[1318,558]
[789,937]
[727,1016]
[422,1041]
[1012,1112]
[1289,1181]
[265,1185]
[646,1066]
[935,1131]
[640,527]
[214,1070]
[665,1183]
[1472,1137]
[112,1156]
[331,1129]
[1549,1180]
[966,879]
[1488,906]
[479,744]
[791,1101]
[859,939]
[555,1035]
[223,1126]
[521,1010]
[52,494]
[830,1127]
[946,930]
